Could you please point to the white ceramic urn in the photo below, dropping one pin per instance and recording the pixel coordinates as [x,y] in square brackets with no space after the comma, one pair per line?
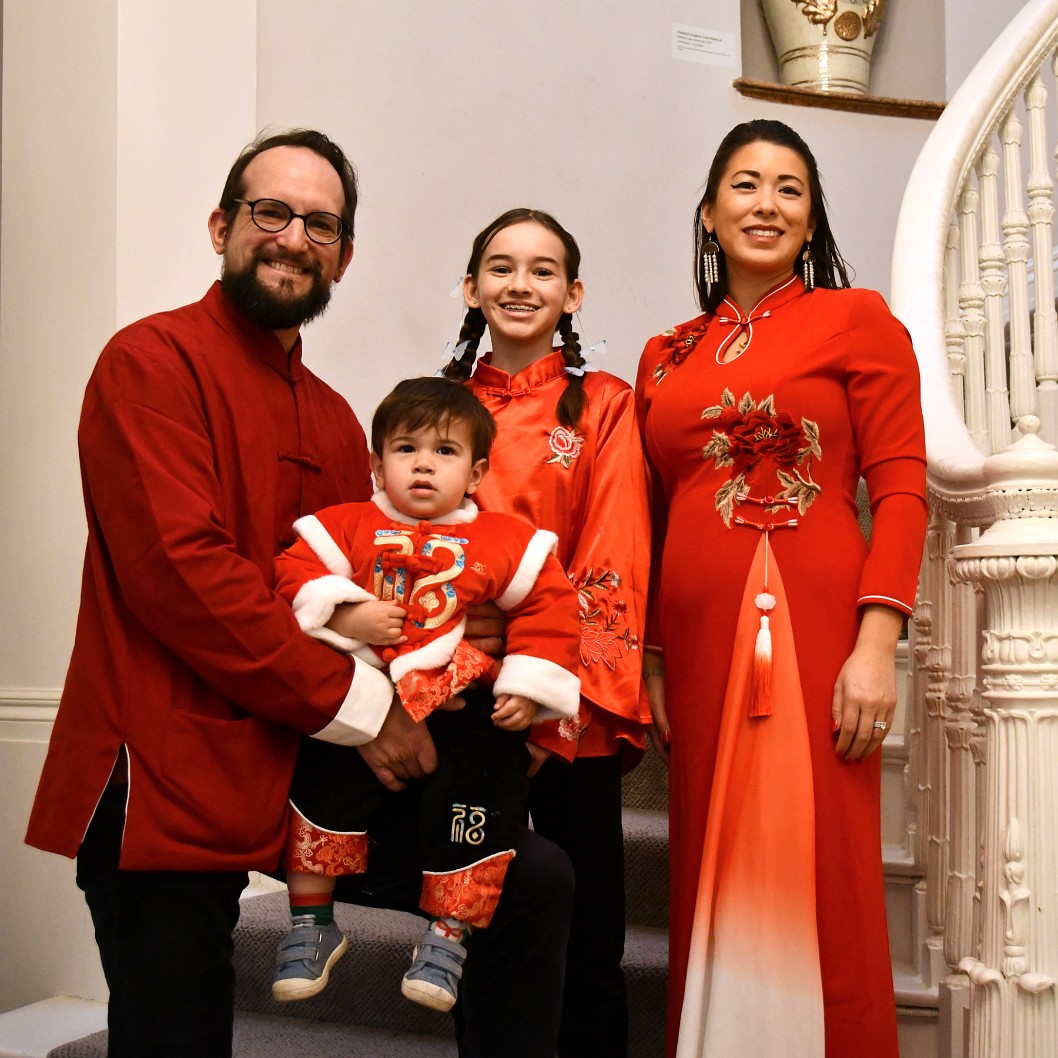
[825,45]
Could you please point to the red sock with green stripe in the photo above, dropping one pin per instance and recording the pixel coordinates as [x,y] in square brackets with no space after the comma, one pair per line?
[319,905]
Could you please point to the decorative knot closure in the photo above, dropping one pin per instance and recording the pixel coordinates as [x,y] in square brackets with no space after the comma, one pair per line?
[740,324]
[414,564]
[306,461]
[772,503]
[742,321]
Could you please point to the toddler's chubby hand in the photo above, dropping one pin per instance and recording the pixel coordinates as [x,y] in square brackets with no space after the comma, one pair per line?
[374,621]
[513,712]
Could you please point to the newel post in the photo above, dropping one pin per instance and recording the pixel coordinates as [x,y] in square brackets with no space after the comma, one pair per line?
[1014,965]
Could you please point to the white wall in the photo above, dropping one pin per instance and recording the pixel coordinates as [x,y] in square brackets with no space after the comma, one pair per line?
[111,109]
[456,112]
[120,119]
[969,29]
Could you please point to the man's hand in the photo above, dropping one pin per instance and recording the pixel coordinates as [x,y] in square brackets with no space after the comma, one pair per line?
[401,750]
[372,621]
[486,629]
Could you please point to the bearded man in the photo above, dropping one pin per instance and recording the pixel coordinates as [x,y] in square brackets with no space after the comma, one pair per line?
[203,437]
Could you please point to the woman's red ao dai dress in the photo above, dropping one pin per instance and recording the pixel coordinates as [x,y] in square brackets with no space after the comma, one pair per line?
[778,932]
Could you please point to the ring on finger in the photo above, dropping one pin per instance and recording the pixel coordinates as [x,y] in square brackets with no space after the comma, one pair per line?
[880,725]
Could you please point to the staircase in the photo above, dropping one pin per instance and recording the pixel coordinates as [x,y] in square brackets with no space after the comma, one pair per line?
[363,1013]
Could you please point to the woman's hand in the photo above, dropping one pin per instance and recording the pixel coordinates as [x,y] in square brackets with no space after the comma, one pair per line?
[537,757]
[654,680]
[865,691]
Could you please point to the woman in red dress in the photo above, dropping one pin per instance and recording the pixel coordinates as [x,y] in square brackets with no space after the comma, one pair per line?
[773,637]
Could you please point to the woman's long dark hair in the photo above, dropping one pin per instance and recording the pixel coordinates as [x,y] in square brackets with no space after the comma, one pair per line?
[571,404]
[831,270]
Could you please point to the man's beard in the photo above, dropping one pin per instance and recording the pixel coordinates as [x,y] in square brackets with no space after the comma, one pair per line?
[271,308]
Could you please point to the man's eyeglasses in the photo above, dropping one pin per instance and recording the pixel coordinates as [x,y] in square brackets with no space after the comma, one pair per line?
[269,214]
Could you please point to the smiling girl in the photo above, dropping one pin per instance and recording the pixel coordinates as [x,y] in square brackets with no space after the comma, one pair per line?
[568,459]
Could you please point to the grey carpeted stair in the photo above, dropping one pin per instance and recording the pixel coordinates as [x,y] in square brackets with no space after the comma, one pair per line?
[646,867]
[362,1012]
[267,1036]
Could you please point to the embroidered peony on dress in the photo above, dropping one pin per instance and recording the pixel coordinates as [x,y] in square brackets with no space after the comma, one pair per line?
[778,942]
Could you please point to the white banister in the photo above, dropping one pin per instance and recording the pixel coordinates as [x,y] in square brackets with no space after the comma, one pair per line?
[952,151]
[973,281]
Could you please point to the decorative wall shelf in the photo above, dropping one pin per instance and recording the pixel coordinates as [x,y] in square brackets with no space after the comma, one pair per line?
[807,97]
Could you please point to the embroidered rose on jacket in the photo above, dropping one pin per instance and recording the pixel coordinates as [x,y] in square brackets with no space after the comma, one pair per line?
[565,445]
[572,727]
[604,635]
[762,445]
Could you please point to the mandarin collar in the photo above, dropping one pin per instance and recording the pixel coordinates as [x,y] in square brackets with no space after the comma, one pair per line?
[780,294]
[260,341]
[538,373]
[729,314]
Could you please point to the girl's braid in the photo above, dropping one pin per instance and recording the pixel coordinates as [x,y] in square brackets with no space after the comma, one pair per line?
[570,405]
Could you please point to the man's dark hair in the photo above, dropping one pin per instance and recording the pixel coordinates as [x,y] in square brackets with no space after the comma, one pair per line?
[431,402]
[326,148]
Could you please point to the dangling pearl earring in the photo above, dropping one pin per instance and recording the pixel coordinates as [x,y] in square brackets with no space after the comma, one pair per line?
[809,271]
[710,263]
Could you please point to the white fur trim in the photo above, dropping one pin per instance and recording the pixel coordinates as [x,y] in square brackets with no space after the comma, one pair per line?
[554,688]
[540,546]
[465,513]
[311,530]
[364,710]
[315,602]
[431,655]
[365,654]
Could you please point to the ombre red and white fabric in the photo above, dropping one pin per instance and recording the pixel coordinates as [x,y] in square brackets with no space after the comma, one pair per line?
[754,947]
[778,940]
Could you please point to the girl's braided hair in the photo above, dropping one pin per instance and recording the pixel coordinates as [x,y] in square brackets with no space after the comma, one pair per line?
[571,404]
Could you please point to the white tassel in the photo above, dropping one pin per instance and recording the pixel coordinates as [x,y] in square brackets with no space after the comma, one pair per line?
[760,698]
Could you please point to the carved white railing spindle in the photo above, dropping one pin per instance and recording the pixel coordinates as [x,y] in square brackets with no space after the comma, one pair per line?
[938,670]
[920,633]
[962,856]
[1000,928]
[1040,190]
[1016,245]
[992,261]
[954,329]
[971,312]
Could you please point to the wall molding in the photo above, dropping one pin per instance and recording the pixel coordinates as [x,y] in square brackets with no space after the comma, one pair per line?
[29,703]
